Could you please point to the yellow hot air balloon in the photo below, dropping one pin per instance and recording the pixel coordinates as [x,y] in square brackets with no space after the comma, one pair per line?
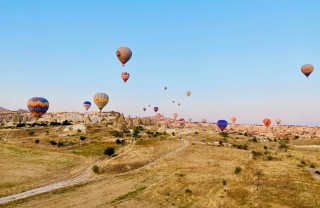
[307,69]
[188,93]
[101,100]
[233,119]
[124,54]
[175,115]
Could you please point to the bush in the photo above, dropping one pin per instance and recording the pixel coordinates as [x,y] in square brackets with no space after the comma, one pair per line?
[82,138]
[245,134]
[224,134]
[224,182]
[31,133]
[96,169]
[53,142]
[254,139]
[242,146]
[296,137]
[265,147]
[118,141]
[66,123]
[37,141]
[20,125]
[78,130]
[196,132]
[140,128]
[60,144]
[47,133]
[116,134]
[256,154]
[312,166]
[156,134]
[283,144]
[237,170]
[109,151]
[53,123]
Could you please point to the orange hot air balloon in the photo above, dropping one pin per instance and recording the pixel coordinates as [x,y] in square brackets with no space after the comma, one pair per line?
[278,121]
[125,76]
[233,119]
[307,69]
[267,122]
[175,115]
[124,54]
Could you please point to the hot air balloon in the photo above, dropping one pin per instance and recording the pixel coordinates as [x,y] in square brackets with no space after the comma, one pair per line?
[204,120]
[101,100]
[125,76]
[87,105]
[38,106]
[173,101]
[278,121]
[190,119]
[181,122]
[233,119]
[267,122]
[155,109]
[165,88]
[222,124]
[149,105]
[178,104]
[175,115]
[144,109]
[124,54]
[307,69]
[188,93]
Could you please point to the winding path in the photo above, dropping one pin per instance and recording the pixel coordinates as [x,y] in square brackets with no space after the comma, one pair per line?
[82,178]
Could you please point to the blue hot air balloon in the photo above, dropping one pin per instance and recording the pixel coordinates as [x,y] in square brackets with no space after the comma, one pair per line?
[87,105]
[222,124]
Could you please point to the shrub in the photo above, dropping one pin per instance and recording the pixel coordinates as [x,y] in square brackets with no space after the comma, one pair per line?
[66,123]
[140,128]
[20,125]
[242,146]
[116,134]
[302,162]
[224,182]
[118,141]
[224,134]
[109,151]
[196,132]
[283,144]
[312,166]
[54,123]
[270,158]
[156,134]
[245,134]
[173,134]
[256,154]
[296,137]
[31,133]
[254,139]
[60,144]
[96,169]
[53,142]
[82,138]
[237,170]
[37,141]
[265,147]
[78,130]
[47,133]
[188,191]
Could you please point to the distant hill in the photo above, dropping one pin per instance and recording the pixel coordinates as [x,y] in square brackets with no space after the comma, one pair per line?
[4,110]
[22,111]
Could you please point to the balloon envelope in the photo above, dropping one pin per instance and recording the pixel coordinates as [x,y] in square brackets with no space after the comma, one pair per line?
[278,121]
[124,54]
[155,109]
[175,115]
[87,105]
[267,122]
[101,100]
[144,109]
[125,76]
[307,69]
[188,93]
[38,106]
[233,119]
[165,88]
[222,124]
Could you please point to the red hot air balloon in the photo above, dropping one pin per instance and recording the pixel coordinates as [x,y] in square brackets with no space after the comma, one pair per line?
[125,76]
[267,122]
[155,109]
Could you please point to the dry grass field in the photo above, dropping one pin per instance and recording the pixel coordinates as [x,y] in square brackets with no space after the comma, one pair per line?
[238,172]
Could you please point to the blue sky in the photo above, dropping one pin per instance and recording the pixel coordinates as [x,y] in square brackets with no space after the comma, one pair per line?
[238,58]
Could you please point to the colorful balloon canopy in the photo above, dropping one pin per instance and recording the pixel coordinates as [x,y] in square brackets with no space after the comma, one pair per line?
[144,109]
[124,54]
[155,109]
[175,115]
[233,119]
[188,93]
[307,69]
[38,106]
[267,122]
[125,76]
[101,100]
[222,124]
[87,105]
[278,121]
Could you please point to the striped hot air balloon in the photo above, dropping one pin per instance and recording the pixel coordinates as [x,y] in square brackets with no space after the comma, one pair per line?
[267,122]
[125,76]
[86,105]
[38,106]
[124,54]
[101,100]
